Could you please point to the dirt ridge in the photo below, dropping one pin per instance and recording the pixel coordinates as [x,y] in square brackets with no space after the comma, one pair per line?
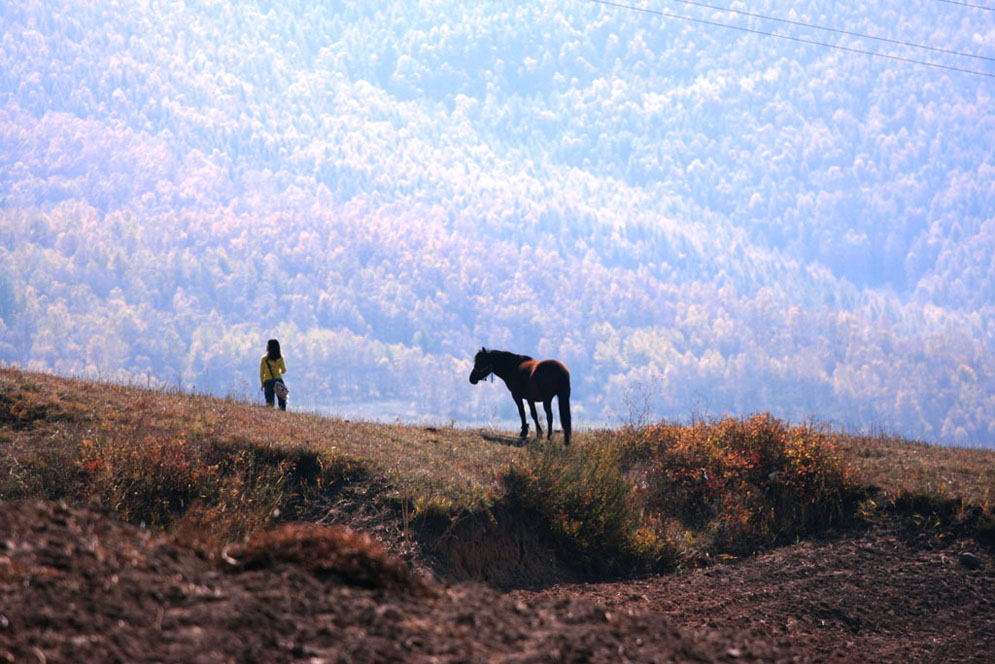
[77,586]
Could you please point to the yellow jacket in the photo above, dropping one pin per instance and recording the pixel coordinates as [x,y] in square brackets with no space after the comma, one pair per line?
[271,370]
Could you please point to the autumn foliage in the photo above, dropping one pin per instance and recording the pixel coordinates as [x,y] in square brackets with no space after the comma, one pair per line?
[671,494]
[731,485]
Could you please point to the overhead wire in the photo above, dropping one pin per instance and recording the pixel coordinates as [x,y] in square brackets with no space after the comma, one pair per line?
[836,30]
[968,4]
[801,40]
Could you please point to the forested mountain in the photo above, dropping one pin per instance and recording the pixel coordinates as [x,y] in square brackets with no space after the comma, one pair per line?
[696,219]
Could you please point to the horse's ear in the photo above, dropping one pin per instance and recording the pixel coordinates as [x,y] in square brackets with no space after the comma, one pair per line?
[483,350]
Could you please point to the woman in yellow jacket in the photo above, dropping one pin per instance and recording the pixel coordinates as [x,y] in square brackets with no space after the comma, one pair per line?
[271,370]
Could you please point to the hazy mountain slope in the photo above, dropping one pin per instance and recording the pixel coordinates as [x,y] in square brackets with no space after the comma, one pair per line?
[694,218]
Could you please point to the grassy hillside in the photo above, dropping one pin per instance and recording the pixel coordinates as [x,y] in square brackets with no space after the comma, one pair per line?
[616,502]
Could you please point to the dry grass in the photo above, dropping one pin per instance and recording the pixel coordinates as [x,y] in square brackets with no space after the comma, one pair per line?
[329,552]
[196,464]
[900,467]
[587,503]
[43,415]
[942,491]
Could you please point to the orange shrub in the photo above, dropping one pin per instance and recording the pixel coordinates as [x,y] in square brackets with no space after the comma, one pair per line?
[742,483]
[230,489]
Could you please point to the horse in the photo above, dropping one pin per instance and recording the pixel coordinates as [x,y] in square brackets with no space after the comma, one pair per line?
[531,380]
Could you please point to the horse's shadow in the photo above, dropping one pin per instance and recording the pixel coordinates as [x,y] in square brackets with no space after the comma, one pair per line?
[509,441]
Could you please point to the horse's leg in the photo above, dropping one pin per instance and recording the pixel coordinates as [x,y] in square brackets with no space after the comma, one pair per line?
[521,413]
[548,406]
[535,418]
[564,402]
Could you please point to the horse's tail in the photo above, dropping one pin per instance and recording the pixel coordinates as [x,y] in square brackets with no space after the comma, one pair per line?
[564,401]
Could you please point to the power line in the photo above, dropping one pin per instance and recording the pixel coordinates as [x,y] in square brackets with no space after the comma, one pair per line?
[801,40]
[968,4]
[836,30]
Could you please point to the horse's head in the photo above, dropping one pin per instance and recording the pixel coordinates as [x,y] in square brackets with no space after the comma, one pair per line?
[481,366]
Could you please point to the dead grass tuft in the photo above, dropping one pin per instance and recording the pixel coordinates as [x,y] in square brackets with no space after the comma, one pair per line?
[22,405]
[329,552]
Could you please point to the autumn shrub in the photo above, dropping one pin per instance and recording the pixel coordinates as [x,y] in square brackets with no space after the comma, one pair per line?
[588,505]
[732,484]
[229,489]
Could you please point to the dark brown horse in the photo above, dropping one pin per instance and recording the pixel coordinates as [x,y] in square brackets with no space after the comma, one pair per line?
[530,380]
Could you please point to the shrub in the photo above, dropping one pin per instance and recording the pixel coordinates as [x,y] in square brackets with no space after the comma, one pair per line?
[227,489]
[732,484]
[588,505]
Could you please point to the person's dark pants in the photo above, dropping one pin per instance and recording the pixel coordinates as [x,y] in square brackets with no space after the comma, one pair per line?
[270,394]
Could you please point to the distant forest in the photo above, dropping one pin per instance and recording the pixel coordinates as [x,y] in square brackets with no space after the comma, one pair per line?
[696,221]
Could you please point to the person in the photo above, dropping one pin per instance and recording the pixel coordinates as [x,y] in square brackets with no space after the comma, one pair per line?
[271,370]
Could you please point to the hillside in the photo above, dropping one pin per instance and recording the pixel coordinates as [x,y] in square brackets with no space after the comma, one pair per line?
[695,219]
[904,573]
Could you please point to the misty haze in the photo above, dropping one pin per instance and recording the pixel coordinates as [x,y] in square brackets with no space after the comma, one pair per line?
[696,220]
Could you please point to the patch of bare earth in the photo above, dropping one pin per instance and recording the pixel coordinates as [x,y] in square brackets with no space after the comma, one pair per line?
[77,586]
[883,595]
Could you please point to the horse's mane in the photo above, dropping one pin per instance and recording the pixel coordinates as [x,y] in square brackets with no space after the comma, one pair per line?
[505,357]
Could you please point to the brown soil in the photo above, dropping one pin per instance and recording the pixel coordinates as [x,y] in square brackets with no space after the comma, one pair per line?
[887,594]
[77,586]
